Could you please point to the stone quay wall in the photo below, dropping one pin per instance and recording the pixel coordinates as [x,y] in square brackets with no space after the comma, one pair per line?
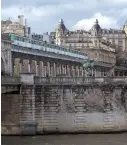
[41,109]
[10,114]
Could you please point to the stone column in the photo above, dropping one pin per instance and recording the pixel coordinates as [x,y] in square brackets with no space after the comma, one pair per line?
[35,63]
[29,67]
[41,69]
[69,70]
[54,69]
[65,69]
[102,72]
[45,68]
[26,66]
[27,105]
[72,70]
[21,65]
[95,72]
[98,72]
[17,66]
[37,68]
[57,68]
[51,69]
[48,68]
[77,71]
[9,62]
[62,69]
[83,72]
[71,73]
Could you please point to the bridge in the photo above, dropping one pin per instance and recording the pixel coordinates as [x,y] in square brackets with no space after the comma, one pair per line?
[86,104]
[25,55]
[10,84]
[13,83]
[46,84]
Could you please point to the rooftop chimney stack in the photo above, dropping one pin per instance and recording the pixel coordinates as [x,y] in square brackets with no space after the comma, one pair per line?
[20,19]
[25,22]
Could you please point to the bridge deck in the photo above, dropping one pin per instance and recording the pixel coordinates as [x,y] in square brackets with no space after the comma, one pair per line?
[65,80]
[80,80]
[10,84]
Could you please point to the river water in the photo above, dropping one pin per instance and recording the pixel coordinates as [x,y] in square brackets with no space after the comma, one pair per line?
[80,139]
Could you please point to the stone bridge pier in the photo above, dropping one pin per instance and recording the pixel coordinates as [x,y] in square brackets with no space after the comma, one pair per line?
[45,108]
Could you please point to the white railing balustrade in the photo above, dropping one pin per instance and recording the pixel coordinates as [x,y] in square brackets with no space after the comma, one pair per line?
[78,80]
[10,79]
[66,80]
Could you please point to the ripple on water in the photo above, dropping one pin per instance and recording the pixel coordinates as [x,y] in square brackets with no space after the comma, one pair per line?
[79,139]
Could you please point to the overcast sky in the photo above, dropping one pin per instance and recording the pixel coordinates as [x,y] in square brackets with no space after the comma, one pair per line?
[44,15]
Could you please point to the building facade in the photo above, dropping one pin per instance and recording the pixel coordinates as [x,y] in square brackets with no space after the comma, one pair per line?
[101,45]
[117,37]
[42,37]
[18,27]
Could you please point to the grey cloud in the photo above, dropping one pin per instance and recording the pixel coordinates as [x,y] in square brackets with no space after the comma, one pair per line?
[71,11]
[6,3]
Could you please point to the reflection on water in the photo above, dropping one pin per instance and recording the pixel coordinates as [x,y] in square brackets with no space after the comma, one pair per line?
[80,139]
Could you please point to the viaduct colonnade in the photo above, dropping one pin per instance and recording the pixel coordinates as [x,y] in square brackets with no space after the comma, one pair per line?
[42,66]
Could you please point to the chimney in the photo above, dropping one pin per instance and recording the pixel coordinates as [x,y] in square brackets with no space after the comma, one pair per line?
[20,19]
[25,22]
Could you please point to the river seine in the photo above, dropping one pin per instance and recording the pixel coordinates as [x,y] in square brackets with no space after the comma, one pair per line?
[78,139]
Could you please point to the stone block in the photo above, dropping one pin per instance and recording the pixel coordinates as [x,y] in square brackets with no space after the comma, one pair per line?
[27,78]
[28,128]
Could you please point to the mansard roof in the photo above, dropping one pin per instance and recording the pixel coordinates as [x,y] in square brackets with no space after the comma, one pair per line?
[61,25]
[96,26]
[112,31]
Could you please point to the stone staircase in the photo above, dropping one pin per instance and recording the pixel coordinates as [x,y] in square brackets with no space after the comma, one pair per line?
[50,112]
[80,115]
[109,120]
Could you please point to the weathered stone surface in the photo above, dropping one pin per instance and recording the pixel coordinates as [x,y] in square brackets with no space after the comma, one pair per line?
[10,114]
[66,109]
